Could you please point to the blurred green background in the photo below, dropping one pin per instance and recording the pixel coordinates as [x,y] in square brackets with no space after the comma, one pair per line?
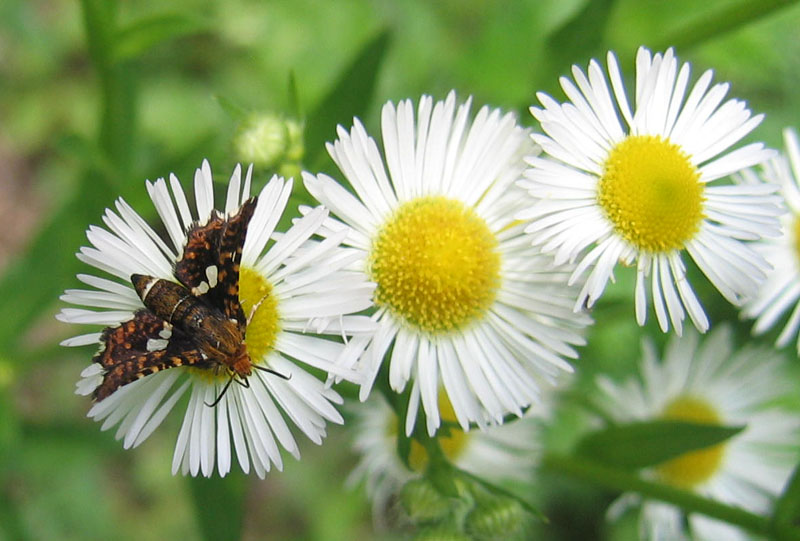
[96,97]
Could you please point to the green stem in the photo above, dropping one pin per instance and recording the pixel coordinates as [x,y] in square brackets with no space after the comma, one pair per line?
[11,523]
[220,505]
[54,245]
[117,85]
[719,22]
[629,482]
[399,404]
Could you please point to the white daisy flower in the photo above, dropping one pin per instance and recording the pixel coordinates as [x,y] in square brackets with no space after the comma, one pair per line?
[498,454]
[709,382]
[780,292]
[294,285]
[632,186]
[461,298]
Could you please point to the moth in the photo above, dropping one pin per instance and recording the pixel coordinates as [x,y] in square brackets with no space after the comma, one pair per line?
[195,321]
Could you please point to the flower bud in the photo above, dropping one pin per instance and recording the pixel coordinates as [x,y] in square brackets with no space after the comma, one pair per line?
[267,140]
[441,533]
[423,502]
[495,518]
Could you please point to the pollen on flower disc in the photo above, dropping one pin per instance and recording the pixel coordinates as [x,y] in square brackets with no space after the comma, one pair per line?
[796,232]
[435,263]
[694,467]
[262,329]
[651,193]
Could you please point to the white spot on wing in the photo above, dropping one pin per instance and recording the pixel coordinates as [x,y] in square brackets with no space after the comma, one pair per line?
[200,289]
[212,273]
[156,344]
[166,332]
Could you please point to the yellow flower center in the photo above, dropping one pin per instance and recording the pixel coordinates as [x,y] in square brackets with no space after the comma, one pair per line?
[435,264]
[651,192]
[262,330]
[691,469]
[796,231]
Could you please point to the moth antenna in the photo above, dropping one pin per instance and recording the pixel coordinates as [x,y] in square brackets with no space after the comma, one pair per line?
[255,308]
[273,372]
[224,390]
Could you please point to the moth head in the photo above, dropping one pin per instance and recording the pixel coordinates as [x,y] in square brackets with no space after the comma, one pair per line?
[241,364]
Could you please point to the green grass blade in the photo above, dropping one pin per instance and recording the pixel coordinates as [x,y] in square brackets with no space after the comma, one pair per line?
[639,445]
[350,96]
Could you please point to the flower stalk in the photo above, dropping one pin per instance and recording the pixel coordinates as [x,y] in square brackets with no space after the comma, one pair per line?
[623,481]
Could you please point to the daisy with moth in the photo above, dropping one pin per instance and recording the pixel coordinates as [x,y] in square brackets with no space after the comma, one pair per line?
[197,321]
[212,309]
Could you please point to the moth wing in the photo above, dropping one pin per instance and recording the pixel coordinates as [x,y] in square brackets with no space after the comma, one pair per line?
[232,240]
[209,266]
[141,346]
[196,269]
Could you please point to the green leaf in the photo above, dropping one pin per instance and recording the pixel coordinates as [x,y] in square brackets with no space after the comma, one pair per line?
[99,19]
[294,97]
[598,474]
[643,444]
[581,37]
[232,109]
[350,96]
[87,152]
[31,283]
[786,512]
[442,475]
[9,423]
[729,17]
[143,34]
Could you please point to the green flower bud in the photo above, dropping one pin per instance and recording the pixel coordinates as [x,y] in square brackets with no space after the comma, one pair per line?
[266,140]
[423,502]
[495,518]
[445,532]
[295,148]
[290,170]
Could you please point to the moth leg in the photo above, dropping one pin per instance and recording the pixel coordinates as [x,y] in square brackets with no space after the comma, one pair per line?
[273,372]
[224,390]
